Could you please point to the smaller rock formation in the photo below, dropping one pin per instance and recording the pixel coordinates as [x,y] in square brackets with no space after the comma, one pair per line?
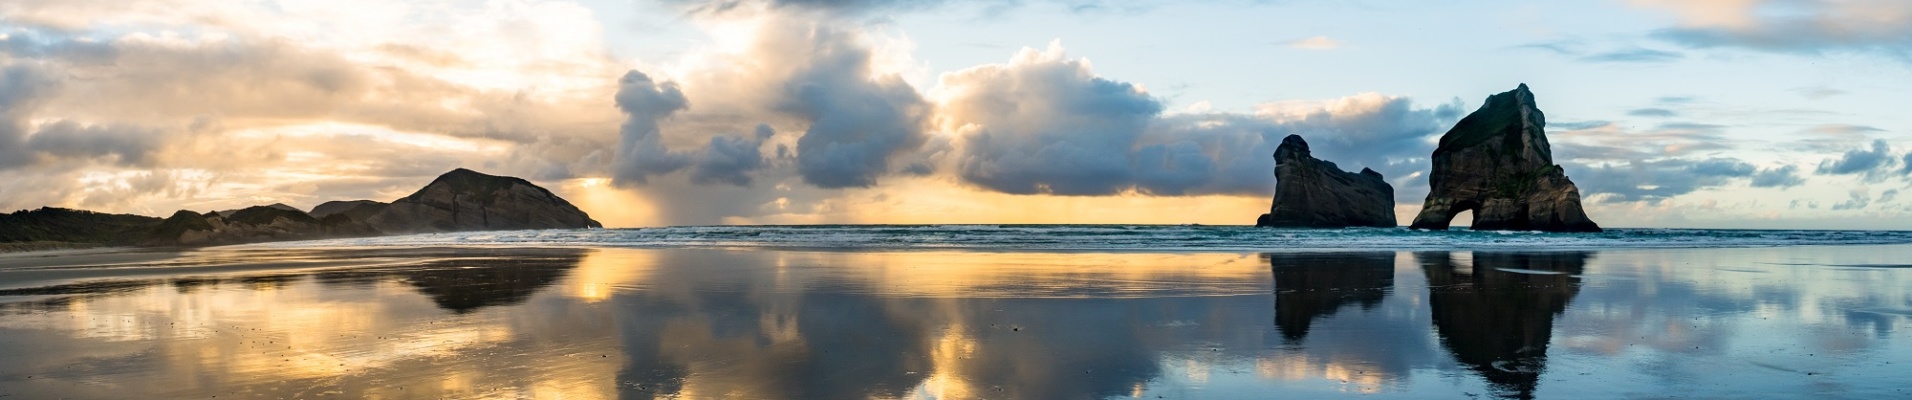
[1311,193]
[281,206]
[465,200]
[357,210]
[249,225]
[1497,163]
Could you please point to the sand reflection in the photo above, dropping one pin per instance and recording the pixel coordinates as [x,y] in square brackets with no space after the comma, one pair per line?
[621,323]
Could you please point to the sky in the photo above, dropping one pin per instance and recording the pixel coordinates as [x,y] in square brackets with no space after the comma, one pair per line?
[1665,113]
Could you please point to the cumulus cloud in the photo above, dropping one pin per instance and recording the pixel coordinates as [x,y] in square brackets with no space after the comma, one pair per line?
[730,158]
[1856,199]
[857,122]
[641,152]
[726,158]
[1044,123]
[1791,26]
[1873,162]
[1781,177]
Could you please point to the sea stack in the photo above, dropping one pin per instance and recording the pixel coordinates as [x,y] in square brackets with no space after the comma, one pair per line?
[1497,163]
[1312,193]
[465,200]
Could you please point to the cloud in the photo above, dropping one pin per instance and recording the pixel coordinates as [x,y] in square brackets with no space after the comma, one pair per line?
[24,91]
[21,89]
[1870,162]
[1313,43]
[1653,181]
[1781,177]
[1653,112]
[1608,141]
[1817,92]
[254,103]
[641,152]
[730,158]
[1843,129]
[1634,55]
[1856,199]
[858,120]
[726,158]
[1791,26]
[1046,124]
[1577,49]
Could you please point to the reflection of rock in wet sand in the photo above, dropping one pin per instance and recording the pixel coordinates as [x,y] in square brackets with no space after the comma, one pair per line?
[1497,315]
[462,283]
[1311,286]
[462,286]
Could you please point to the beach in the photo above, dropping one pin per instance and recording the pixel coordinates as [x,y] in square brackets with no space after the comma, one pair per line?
[511,320]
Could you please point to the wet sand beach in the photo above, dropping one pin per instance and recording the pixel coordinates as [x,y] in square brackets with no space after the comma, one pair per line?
[446,322]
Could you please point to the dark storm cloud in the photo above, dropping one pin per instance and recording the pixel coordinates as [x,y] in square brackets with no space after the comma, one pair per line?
[641,152]
[1047,125]
[125,144]
[857,123]
[21,88]
[725,159]
[730,158]
[24,88]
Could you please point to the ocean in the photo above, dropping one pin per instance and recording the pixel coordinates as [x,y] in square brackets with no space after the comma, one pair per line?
[971,312]
[1144,238]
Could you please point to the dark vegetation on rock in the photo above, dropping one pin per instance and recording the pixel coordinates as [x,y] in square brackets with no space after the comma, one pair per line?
[61,225]
[1312,193]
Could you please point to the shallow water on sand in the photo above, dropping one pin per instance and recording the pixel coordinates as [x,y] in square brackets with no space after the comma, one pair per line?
[1789,322]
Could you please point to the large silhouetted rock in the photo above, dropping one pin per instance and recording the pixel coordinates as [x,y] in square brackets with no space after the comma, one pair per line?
[465,200]
[1496,162]
[1311,193]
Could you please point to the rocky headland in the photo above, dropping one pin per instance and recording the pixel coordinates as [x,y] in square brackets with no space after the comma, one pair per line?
[460,200]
